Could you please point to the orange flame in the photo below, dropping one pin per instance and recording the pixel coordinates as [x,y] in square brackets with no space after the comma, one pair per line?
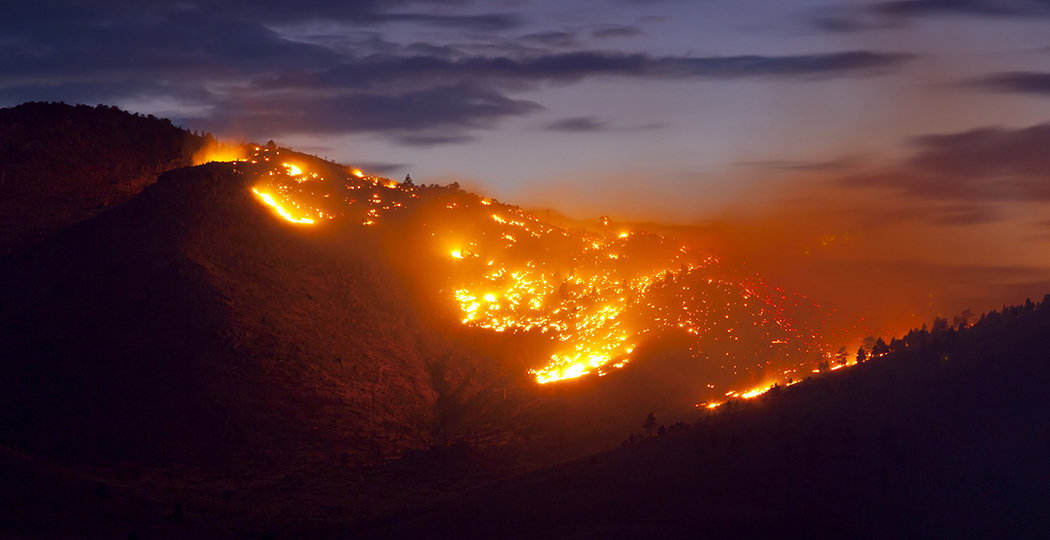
[217,151]
[268,199]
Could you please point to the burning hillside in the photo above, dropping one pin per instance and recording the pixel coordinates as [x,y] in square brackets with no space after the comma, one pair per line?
[593,297]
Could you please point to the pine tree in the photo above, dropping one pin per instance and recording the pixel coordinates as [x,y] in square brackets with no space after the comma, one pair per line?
[650,424]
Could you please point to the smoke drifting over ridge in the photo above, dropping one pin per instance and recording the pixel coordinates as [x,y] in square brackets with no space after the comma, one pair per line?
[868,154]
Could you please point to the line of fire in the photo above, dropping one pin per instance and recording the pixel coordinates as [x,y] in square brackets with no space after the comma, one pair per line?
[594,295]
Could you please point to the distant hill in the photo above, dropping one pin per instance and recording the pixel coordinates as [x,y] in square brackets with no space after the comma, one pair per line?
[948,438]
[61,164]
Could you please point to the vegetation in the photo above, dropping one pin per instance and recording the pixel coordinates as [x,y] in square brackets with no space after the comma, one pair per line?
[945,438]
[61,164]
[186,364]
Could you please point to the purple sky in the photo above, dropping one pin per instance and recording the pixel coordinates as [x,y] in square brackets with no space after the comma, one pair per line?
[916,124]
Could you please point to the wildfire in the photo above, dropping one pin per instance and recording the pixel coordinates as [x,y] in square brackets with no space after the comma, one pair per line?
[268,199]
[595,295]
[217,151]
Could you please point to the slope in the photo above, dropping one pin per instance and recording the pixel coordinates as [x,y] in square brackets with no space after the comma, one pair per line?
[61,164]
[946,439]
[188,314]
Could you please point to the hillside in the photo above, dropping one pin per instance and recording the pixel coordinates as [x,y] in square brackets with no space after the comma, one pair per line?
[61,164]
[945,439]
[285,345]
[186,330]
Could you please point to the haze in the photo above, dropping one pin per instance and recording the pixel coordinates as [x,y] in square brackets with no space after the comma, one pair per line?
[885,158]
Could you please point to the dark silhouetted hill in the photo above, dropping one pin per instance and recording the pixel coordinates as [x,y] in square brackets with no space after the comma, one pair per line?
[61,164]
[948,438]
[189,332]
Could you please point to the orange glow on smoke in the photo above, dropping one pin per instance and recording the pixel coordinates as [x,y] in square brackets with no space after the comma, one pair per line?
[596,296]
[219,152]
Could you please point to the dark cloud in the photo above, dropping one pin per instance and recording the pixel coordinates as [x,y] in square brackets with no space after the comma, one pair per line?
[994,8]
[437,114]
[552,39]
[432,139]
[981,166]
[360,12]
[230,68]
[574,66]
[843,63]
[579,124]
[840,23]
[807,166]
[894,13]
[616,31]
[470,22]
[1021,82]
[592,124]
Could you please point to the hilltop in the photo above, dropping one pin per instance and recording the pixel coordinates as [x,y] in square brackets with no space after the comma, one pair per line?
[61,164]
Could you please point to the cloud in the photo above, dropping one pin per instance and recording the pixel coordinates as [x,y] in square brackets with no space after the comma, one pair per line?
[1020,82]
[894,13]
[247,69]
[575,66]
[436,115]
[578,124]
[842,63]
[994,8]
[985,165]
[491,22]
[841,24]
[552,39]
[432,139]
[616,31]
[394,93]
[806,166]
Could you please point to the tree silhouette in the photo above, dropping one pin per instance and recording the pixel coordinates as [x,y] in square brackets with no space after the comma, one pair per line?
[650,424]
[880,348]
[963,319]
[861,355]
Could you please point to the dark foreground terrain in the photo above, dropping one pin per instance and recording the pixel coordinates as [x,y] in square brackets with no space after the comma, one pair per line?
[947,439]
[176,363]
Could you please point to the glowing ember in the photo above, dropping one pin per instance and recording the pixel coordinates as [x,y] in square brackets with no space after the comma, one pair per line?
[268,199]
[594,295]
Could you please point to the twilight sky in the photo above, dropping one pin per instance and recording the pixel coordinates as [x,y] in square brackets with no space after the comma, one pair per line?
[872,141]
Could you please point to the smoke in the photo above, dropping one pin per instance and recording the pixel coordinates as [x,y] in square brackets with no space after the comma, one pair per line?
[215,150]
